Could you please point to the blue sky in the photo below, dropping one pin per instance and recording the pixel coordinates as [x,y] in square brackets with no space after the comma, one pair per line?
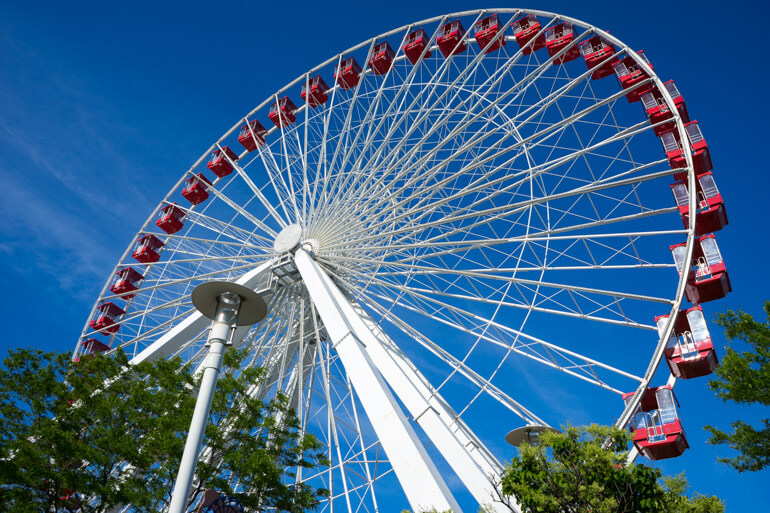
[103,105]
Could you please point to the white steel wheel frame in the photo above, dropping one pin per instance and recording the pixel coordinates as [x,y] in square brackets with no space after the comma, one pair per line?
[441,207]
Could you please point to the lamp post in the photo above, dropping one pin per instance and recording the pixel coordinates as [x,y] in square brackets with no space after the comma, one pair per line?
[228,305]
[529,434]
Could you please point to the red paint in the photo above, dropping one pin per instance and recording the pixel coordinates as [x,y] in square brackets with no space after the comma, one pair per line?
[689,352]
[282,112]
[252,135]
[450,38]
[171,218]
[526,31]
[93,345]
[657,110]
[221,163]
[630,74]
[599,56]
[656,428]
[672,145]
[318,90]
[381,59]
[197,189]
[148,249]
[486,33]
[348,73]
[127,281]
[708,279]
[558,38]
[711,215]
[416,42]
[673,445]
[107,318]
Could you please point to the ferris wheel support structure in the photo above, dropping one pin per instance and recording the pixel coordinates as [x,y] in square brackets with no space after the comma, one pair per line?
[420,215]
[366,358]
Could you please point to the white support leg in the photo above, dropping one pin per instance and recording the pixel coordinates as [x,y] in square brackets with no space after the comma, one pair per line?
[423,485]
[473,463]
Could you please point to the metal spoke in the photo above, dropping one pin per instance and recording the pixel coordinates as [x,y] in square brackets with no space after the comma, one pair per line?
[428,241]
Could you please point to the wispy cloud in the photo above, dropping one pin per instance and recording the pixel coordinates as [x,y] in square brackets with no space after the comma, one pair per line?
[70,199]
[41,238]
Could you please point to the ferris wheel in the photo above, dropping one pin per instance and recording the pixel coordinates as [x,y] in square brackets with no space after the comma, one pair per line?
[460,226]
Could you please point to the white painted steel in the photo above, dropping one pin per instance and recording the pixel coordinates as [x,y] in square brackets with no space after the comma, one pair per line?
[461,206]
[187,328]
[221,329]
[465,453]
[423,484]
[213,363]
[470,459]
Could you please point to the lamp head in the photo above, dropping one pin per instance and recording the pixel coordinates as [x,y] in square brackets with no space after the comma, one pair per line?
[206,296]
[529,434]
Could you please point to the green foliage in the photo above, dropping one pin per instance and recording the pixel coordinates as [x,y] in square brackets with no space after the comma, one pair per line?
[677,487]
[744,377]
[259,463]
[583,469]
[581,475]
[432,510]
[114,434]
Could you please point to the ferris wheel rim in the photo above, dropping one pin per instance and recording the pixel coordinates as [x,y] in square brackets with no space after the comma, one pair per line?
[658,354]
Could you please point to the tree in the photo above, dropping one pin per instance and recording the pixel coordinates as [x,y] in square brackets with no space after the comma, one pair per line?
[260,464]
[99,433]
[744,377]
[677,487]
[583,469]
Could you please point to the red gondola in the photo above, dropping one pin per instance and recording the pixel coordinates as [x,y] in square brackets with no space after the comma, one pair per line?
[559,37]
[630,74]
[525,30]
[197,189]
[486,31]
[348,74]
[171,218]
[107,318]
[318,90]
[93,345]
[71,501]
[282,112]
[711,215]
[450,38]
[127,281]
[672,144]
[147,249]
[708,279]
[689,351]
[221,163]
[657,110]
[599,56]
[416,43]
[657,431]
[382,58]
[252,135]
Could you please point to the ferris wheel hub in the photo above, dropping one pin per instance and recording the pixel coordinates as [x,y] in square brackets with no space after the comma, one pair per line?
[460,226]
[288,239]
[311,245]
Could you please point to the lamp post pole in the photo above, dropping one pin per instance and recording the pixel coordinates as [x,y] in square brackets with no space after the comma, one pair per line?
[228,305]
